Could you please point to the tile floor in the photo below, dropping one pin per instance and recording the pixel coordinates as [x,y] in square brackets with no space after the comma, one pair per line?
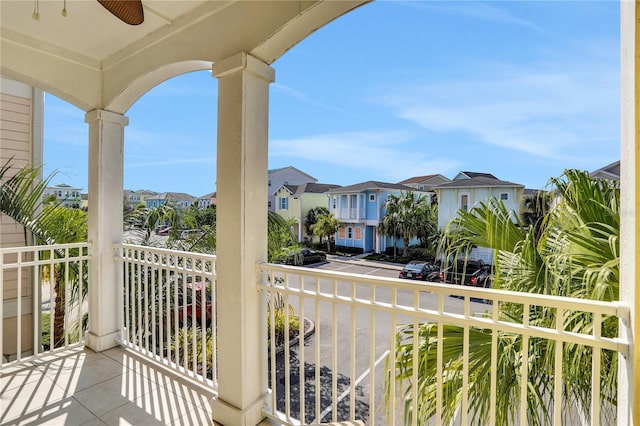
[115,387]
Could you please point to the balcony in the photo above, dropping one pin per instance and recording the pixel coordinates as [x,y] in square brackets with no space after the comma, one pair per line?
[167,365]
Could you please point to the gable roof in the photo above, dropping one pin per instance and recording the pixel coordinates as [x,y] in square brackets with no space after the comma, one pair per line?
[173,196]
[314,188]
[471,175]
[416,179]
[372,184]
[271,171]
[611,171]
[479,182]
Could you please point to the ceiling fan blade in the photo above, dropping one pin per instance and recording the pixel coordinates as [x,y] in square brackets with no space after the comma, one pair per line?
[129,11]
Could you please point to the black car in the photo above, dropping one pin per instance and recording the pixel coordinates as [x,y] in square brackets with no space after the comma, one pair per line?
[305,256]
[471,272]
[423,271]
[312,256]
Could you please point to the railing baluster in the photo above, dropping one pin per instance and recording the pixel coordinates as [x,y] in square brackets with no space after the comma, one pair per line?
[524,373]
[317,354]
[494,365]
[558,373]
[334,356]
[595,372]
[301,371]
[19,309]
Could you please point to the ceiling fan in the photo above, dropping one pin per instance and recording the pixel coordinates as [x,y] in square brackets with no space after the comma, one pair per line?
[128,11]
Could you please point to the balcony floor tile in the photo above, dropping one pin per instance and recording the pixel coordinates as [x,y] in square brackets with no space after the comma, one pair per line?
[115,387]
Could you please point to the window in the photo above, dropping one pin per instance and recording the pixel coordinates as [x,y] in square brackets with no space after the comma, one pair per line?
[464,202]
[341,232]
[335,202]
[358,233]
[283,203]
[269,204]
[504,196]
[269,185]
[372,197]
[349,232]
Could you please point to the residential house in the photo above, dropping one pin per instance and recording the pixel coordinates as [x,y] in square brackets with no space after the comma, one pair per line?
[207,200]
[295,201]
[134,198]
[179,199]
[360,210]
[611,172]
[285,176]
[65,195]
[425,183]
[467,189]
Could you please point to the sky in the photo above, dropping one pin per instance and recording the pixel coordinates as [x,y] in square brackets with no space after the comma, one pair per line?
[392,90]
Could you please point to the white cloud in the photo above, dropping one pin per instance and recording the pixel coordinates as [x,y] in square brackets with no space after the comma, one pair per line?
[390,154]
[539,111]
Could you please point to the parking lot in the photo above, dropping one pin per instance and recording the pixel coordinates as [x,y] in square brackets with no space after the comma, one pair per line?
[372,336]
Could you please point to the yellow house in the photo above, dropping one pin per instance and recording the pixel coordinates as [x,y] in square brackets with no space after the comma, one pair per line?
[295,202]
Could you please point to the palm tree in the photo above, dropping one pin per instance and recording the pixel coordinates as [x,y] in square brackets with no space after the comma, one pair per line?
[577,256]
[21,199]
[403,217]
[312,218]
[326,226]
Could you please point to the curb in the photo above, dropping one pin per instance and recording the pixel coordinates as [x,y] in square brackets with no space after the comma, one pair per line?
[295,340]
[372,263]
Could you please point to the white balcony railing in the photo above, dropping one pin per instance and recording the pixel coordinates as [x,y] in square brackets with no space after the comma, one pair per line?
[351,322]
[42,308]
[168,307]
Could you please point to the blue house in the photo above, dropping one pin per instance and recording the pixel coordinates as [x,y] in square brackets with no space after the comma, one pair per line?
[360,210]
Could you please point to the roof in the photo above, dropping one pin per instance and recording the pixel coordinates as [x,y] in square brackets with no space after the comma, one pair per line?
[417,179]
[173,196]
[209,195]
[372,184]
[292,168]
[471,175]
[478,182]
[611,171]
[314,188]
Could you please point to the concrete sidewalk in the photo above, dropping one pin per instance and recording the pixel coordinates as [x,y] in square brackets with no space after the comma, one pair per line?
[361,259]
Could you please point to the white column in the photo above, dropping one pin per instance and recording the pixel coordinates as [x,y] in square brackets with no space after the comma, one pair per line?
[628,372]
[243,103]
[106,137]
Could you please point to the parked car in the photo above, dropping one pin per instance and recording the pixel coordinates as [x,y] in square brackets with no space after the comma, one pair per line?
[471,272]
[305,256]
[312,256]
[417,270]
[161,228]
[165,231]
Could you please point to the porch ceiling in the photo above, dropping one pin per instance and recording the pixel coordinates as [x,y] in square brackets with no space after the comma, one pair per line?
[93,60]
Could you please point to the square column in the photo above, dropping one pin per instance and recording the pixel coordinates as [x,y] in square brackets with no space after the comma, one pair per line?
[106,143]
[629,364]
[243,104]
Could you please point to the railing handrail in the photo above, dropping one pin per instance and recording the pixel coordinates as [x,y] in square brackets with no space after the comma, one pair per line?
[42,247]
[205,256]
[614,308]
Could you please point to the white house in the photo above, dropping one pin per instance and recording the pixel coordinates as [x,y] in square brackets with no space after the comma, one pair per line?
[468,188]
[66,195]
[285,176]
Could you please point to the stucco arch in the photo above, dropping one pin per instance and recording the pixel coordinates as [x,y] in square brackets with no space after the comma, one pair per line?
[131,93]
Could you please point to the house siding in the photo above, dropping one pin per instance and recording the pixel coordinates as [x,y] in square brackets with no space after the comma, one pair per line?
[21,109]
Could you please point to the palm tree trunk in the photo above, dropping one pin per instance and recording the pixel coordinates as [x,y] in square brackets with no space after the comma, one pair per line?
[57,335]
[405,249]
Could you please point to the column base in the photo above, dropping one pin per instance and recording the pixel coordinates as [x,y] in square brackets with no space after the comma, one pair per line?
[227,414]
[101,343]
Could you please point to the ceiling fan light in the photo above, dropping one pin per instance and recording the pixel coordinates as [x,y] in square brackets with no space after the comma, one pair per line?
[128,11]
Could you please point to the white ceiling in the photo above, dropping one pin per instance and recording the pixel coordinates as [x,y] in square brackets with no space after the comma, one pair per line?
[91,58]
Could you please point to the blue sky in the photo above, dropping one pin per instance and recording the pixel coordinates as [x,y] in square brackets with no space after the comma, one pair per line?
[522,90]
